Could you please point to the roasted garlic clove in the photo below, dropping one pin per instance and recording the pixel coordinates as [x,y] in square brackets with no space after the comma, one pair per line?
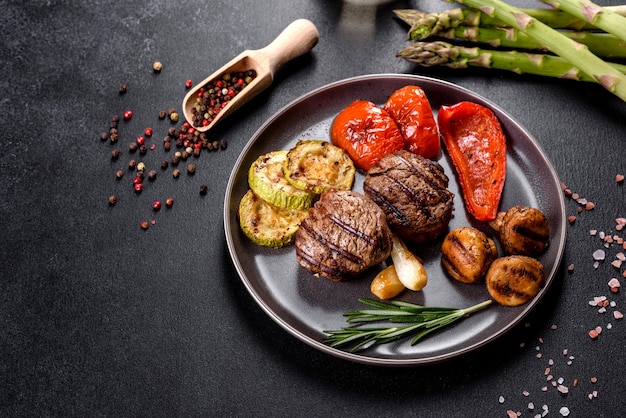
[523,231]
[515,279]
[386,284]
[467,253]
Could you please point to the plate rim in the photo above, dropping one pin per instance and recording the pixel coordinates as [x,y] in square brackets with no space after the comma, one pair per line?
[356,357]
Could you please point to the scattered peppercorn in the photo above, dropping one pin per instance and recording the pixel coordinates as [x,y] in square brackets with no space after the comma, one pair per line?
[152,175]
[191,168]
[141,166]
[132,164]
[143,150]
[203,189]
[176,173]
[128,114]
[144,225]
[162,114]
[123,88]
[223,144]
[156,205]
[119,174]
[138,187]
[115,154]
[112,200]
[157,67]
[104,136]
[148,131]
[174,117]
[164,164]
[188,84]
[169,202]
[132,147]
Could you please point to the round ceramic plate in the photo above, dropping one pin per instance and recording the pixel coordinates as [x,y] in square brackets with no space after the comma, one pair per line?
[306,305]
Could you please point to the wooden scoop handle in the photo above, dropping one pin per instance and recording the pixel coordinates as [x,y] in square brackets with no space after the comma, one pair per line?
[297,39]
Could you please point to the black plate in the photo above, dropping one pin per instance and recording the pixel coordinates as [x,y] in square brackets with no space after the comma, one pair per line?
[305,305]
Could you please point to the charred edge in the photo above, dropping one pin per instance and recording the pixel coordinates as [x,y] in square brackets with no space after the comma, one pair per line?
[328,272]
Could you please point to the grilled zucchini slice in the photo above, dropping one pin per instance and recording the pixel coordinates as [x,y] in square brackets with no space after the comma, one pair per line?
[266,179]
[317,166]
[266,224]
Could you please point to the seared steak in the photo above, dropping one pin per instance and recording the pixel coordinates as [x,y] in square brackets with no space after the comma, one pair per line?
[412,191]
[344,234]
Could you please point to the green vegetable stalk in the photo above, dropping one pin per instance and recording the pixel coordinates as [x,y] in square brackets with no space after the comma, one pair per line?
[577,54]
[601,44]
[439,53]
[598,16]
[556,19]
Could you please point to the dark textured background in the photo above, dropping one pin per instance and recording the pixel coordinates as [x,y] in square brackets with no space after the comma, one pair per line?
[101,318]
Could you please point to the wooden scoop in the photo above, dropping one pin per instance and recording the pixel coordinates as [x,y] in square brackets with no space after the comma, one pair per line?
[297,39]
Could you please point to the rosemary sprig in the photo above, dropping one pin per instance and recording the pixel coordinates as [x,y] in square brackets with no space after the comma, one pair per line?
[418,321]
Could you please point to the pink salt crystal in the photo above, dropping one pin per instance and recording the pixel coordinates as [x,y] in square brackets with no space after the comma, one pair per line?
[618,315]
[620,256]
[619,178]
[593,334]
[620,221]
[599,255]
[614,283]
[562,389]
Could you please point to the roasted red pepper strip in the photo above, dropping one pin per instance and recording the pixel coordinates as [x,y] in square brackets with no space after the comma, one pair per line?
[477,146]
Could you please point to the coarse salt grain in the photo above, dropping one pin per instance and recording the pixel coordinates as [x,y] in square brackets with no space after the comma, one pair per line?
[501,399]
[614,283]
[617,315]
[511,414]
[564,411]
[599,255]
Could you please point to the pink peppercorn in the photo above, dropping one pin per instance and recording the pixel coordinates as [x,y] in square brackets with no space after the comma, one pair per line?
[148,132]
[128,114]
[141,140]
[188,84]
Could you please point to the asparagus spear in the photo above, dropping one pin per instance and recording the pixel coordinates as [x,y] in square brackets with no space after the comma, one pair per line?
[600,43]
[439,53]
[590,12]
[577,54]
[452,18]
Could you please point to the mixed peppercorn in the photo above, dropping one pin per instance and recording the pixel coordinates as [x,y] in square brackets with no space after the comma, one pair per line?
[215,95]
[185,140]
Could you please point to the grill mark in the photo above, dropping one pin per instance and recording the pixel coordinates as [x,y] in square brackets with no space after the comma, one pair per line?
[354,258]
[440,187]
[531,234]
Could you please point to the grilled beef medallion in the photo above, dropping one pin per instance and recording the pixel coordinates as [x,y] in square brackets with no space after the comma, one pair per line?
[412,191]
[344,234]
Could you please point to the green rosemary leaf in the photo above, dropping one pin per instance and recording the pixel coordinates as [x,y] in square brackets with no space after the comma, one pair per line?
[420,321]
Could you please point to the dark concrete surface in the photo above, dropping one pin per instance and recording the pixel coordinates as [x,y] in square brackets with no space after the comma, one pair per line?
[101,318]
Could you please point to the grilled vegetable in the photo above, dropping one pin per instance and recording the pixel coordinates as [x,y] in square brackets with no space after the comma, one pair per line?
[366,132]
[477,145]
[467,254]
[266,224]
[317,166]
[523,230]
[267,180]
[410,270]
[386,284]
[515,279]
[411,110]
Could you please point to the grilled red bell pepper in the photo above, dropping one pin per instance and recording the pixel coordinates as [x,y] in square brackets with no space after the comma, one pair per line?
[410,108]
[477,146]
